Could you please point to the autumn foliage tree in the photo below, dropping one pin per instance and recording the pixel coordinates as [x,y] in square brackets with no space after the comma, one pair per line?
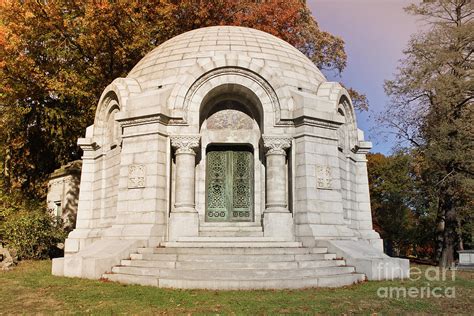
[57,56]
[401,204]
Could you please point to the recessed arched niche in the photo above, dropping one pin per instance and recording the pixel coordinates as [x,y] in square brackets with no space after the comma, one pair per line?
[231,117]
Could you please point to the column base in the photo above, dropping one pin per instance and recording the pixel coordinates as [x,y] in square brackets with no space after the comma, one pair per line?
[183,225]
[279,225]
[276,209]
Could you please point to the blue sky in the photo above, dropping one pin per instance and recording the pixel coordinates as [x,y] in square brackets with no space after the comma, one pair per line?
[375,32]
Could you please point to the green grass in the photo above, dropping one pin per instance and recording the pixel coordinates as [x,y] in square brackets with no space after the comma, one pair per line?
[30,288]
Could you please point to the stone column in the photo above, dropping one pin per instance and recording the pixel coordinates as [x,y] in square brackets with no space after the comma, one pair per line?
[184,220]
[277,219]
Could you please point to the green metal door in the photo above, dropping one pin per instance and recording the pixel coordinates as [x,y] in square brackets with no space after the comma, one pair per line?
[229,186]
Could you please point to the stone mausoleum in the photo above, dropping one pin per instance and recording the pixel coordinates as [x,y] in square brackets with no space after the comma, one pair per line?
[63,193]
[225,160]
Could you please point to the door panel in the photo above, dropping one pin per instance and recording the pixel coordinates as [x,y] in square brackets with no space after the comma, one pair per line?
[216,188]
[242,193]
[229,186]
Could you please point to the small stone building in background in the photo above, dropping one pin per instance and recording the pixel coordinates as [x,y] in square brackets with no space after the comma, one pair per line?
[63,192]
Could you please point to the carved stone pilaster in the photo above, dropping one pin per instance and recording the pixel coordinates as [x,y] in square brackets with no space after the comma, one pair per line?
[184,221]
[276,144]
[276,171]
[185,144]
[277,219]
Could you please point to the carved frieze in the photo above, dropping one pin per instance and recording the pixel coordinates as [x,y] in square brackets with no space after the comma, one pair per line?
[136,176]
[323,177]
[229,119]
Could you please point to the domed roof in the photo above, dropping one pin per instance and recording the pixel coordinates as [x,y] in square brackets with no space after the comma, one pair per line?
[167,63]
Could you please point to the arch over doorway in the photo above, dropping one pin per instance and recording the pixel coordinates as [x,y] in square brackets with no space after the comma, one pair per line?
[231,169]
[225,83]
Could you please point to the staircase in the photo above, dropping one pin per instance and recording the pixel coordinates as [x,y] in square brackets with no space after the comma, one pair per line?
[229,263]
[226,229]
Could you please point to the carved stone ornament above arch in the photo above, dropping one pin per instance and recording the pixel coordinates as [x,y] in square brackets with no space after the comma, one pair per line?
[268,101]
[232,69]
[229,119]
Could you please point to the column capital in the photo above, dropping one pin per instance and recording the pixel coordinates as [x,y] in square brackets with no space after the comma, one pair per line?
[277,144]
[185,144]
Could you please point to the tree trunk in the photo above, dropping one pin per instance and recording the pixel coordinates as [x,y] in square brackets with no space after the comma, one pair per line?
[460,237]
[440,225]
[450,232]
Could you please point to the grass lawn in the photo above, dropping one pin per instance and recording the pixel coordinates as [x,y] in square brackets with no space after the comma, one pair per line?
[30,288]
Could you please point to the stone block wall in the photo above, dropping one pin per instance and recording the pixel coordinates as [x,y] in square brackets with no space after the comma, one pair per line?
[319,212]
[63,193]
[143,203]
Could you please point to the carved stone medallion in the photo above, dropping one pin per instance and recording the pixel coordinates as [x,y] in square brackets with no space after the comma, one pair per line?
[136,176]
[323,177]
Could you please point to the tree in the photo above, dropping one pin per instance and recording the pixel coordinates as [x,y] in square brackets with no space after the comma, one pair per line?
[390,191]
[400,205]
[57,56]
[431,108]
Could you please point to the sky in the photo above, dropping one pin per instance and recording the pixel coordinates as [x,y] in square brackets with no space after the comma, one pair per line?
[375,32]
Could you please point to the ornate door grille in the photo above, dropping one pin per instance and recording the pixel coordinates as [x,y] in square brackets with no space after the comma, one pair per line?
[229,186]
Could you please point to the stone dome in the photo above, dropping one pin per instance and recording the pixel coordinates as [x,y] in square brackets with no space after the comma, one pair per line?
[169,62]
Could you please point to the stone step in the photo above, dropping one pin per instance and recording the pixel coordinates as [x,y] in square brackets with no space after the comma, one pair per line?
[320,263]
[148,263]
[316,256]
[243,274]
[131,279]
[230,239]
[236,267]
[233,257]
[283,265]
[155,257]
[227,224]
[231,244]
[230,234]
[230,228]
[229,251]
[322,281]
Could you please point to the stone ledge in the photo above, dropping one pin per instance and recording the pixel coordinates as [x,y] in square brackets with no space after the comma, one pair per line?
[95,259]
[223,244]
[368,260]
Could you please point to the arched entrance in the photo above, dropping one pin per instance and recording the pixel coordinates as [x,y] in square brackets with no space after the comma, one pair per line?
[231,166]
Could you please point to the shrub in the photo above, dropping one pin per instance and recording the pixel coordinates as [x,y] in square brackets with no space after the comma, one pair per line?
[29,228]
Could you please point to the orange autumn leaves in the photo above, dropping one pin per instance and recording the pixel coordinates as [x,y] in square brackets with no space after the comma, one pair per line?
[57,56]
